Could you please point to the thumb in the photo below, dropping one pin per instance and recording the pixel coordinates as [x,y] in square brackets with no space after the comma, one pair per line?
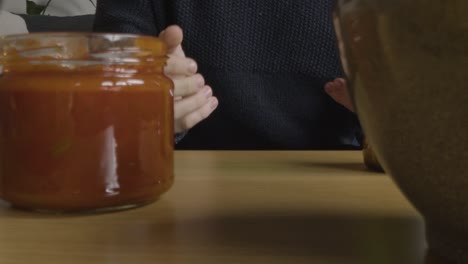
[173,37]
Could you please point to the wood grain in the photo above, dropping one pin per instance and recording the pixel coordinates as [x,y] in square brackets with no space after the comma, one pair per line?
[236,207]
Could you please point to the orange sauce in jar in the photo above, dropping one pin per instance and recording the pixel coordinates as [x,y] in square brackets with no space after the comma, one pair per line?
[86,121]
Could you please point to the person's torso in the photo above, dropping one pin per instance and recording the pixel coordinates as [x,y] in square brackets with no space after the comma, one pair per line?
[267,62]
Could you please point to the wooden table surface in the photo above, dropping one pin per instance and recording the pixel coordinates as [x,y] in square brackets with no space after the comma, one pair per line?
[237,207]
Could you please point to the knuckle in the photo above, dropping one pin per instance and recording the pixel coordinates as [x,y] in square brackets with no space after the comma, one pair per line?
[190,120]
[192,82]
[174,66]
[204,113]
[196,81]
[201,79]
[200,99]
[201,114]
[187,122]
[178,111]
[191,61]
[182,87]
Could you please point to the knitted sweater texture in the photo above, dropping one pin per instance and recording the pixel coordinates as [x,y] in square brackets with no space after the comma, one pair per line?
[267,62]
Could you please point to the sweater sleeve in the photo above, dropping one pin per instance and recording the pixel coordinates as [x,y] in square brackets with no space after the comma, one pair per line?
[135,16]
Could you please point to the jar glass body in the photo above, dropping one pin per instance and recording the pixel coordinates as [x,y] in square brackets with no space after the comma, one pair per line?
[86,121]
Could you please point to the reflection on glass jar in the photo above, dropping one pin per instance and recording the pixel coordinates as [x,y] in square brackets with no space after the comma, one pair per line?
[86,121]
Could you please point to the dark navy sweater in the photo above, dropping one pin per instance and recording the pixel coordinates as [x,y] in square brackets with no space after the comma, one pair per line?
[267,62]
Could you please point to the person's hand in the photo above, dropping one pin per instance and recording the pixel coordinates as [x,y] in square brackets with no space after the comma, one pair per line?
[193,99]
[338,90]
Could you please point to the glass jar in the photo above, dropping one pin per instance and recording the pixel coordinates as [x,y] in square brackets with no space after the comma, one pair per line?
[370,159]
[86,121]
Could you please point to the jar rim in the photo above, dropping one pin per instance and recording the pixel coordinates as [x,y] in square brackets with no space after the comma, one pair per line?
[81,48]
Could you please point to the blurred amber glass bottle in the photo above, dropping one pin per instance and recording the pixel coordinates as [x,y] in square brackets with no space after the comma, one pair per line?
[370,159]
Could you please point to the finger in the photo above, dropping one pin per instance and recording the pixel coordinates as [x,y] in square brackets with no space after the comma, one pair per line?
[173,37]
[329,87]
[188,86]
[341,81]
[189,104]
[337,84]
[339,92]
[196,117]
[177,66]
